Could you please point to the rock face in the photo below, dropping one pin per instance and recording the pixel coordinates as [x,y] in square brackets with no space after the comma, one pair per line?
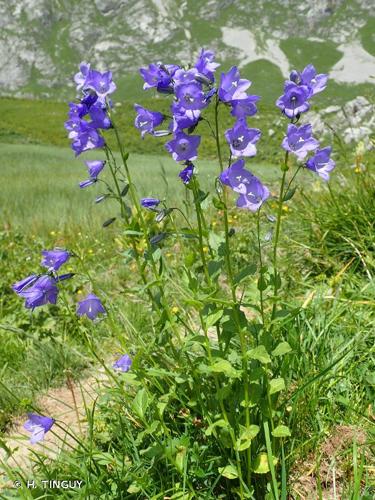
[354,122]
[42,41]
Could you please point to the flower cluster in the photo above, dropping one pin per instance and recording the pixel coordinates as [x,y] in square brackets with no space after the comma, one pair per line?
[90,115]
[299,89]
[299,140]
[41,289]
[193,90]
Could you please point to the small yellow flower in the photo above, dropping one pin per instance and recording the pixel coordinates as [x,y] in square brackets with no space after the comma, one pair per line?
[91,250]
[214,222]
[168,254]
[52,233]
[285,208]
[357,170]
[205,249]
[175,309]
[79,292]
[230,220]
[235,217]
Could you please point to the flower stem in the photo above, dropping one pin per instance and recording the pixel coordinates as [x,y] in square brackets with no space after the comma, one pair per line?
[233,292]
[261,266]
[277,235]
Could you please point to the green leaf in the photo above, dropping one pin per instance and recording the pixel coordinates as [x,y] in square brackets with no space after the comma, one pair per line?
[108,222]
[229,471]
[277,385]
[217,203]
[261,465]
[281,431]
[219,423]
[215,240]
[141,403]
[223,366]
[260,353]
[214,268]
[213,318]
[244,441]
[133,488]
[281,349]
[180,458]
[289,195]
[247,271]
[262,283]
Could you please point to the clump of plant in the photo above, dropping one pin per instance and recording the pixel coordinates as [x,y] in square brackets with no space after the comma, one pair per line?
[199,406]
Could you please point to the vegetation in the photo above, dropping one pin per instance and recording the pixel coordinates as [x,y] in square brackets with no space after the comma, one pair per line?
[150,434]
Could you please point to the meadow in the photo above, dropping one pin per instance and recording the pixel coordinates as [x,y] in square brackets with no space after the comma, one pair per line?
[326,252]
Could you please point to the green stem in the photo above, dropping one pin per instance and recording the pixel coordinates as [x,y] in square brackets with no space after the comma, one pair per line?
[125,216]
[221,404]
[233,292]
[277,235]
[198,210]
[136,203]
[261,266]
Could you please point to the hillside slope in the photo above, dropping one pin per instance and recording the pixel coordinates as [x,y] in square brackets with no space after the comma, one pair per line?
[42,41]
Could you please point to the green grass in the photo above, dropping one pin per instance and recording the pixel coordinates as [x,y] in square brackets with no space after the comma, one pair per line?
[41,192]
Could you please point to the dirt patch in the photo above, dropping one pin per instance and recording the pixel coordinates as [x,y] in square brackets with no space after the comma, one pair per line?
[67,405]
[330,466]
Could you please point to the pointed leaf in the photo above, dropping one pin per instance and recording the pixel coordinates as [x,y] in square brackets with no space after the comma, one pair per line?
[281,349]
[260,353]
[229,471]
[247,271]
[281,431]
[277,385]
[223,366]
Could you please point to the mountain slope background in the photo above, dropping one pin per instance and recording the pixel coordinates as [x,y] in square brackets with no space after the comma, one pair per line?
[43,41]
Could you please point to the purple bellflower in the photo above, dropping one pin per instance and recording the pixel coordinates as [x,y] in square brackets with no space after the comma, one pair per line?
[299,140]
[183,76]
[100,83]
[206,64]
[158,76]
[81,76]
[38,426]
[308,77]
[183,147]
[41,292]
[147,120]
[54,259]
[90,306]
[183,118]
[244,107]
[99,116]
[294,100]
[187,173]
[252,192]
[150,203]
[321,163]
[86,138]
[242,139]
[26,282]
[77,111]
[94,168]
[232,86]
[123,364]
[190,96]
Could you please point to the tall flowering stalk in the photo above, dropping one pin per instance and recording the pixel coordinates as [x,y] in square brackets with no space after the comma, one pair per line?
[228,378]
